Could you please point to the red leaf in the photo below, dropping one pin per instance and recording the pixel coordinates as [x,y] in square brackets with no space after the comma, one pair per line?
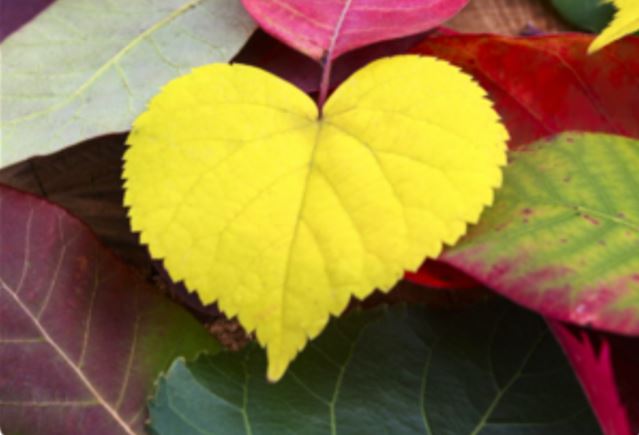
[329,28]
[607,367]
[82,338]
[549,84]
[435,274]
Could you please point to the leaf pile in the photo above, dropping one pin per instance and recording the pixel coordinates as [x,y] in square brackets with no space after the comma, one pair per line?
[281,209]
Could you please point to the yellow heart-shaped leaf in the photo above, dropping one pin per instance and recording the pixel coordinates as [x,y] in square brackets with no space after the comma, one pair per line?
[281,215]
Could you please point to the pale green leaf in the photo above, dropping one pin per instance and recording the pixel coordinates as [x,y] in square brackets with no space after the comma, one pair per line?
[85,68]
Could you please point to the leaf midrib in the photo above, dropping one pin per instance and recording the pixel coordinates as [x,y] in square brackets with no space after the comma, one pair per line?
[338,30]
[503,390]
[77,370]
[593,212]
[113,60]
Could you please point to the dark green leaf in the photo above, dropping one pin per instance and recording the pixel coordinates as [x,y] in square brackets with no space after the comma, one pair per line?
[592,15]
[493,369]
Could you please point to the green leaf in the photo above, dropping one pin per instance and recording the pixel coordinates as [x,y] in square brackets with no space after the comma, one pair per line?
[592,15]
[493,369]
[563,235]
[86,68]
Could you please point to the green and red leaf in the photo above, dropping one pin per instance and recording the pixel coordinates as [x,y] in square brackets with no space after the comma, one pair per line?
[563,235]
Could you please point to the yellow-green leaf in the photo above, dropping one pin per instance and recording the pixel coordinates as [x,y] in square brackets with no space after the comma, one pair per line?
[281,215]
[626,21]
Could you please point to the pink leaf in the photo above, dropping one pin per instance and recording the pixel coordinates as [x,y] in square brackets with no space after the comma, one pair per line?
[607,367]
[325,29]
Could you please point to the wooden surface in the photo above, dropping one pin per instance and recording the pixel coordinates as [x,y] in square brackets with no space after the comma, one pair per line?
[85,179]
[510,17]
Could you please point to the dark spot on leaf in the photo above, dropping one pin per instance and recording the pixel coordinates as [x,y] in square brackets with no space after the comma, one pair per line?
[501,226]
[527,212]
[591,219]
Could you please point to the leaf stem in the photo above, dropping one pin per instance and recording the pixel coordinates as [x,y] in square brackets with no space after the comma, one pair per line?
[327,60]
[325,83]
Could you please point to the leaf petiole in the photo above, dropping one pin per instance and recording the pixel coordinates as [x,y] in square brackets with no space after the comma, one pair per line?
[325,82]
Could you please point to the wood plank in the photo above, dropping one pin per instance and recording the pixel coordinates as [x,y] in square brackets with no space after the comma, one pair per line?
[509,17]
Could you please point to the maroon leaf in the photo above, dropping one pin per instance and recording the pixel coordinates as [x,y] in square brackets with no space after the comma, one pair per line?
[82,338]
[14,14]
[268,53]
